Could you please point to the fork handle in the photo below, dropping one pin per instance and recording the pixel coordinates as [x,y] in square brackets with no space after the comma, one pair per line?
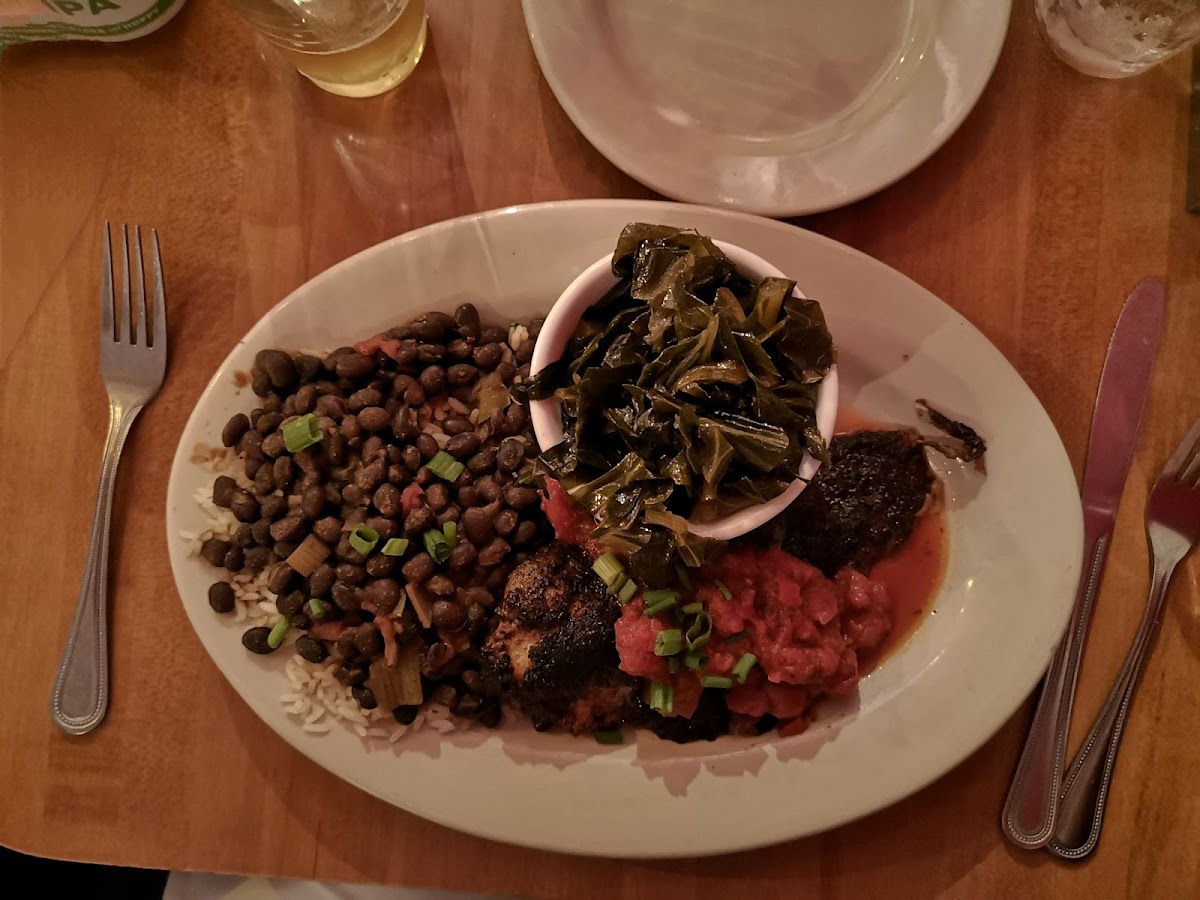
[1030,811]
[1085,788]
[80,696]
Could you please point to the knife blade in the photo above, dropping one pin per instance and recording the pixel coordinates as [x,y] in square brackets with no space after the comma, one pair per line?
[1028,818]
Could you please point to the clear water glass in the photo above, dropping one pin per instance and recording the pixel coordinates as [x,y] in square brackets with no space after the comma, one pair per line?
[1118,38]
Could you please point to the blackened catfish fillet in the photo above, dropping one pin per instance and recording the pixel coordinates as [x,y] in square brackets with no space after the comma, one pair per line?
[552,652]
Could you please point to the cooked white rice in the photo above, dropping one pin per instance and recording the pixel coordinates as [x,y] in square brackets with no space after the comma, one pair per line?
[314,696]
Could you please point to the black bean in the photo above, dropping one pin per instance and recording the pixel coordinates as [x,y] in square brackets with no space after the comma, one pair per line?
[430,353]
[235,559]
[261,530]
[437,495]
[488,356]
[379,565]
[519,497]
[461,374]
[345,596]
[462,555]
[447,615]
[459,349]
[467,706]
[273,446]
[374,418]
[369,478]
[406,715]
[463,445]
[506,371]
[305,400]
[349,573]
[455,425]
[243,537]
[374,450]
[476,595]
[476,617]
[524,353]
[284,549]
[255,640]
[382,526]
[351,431]
[433,379]
[273,507]
[427,446]
[329,529]
[364,695]
[493,334]
[398,475]
[436,658]
[257,558]
[368,640]
[312,501]
[260,382]
[468,496]
[483,461]
[510,455]
[387,500]
[404,425]
[214,550]
[220,597]
[244,506]
[406,353]
[488,488]
[443,694]
[330,405]
[290,604]
[346,553]
[272,403]
[414,394]
[223,490]
[477,524]
[424,476]
[279,368]
[351,675]
[516,419]
[496,579]
[489,712]
[280,579]
[311,649]
[419,569]
[440,586]
[264,480]
[449,514]
[235,429]
[466,318]
[493,554]
[526,532]
[429,329]
[268,422]
[363,398]
[354,366]
[411,457]
[506,522]
[384,594]
[321,580]
[284,473]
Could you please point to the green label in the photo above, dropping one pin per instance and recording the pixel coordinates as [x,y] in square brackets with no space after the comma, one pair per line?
[82,10]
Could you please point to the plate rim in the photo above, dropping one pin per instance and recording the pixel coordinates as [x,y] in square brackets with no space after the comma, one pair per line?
[293,735]
[612,149]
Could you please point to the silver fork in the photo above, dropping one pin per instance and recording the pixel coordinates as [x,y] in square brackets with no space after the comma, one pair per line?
[1173,527]
[133,357]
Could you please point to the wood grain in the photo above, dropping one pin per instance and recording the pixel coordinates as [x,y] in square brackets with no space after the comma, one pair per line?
[1057,194]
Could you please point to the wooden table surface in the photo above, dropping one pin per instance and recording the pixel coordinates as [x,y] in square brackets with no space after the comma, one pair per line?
[1057,194]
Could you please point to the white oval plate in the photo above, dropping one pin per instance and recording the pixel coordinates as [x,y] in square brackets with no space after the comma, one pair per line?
[778,107]
[1015,556]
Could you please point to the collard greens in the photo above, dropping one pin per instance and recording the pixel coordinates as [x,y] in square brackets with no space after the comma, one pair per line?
[688,392]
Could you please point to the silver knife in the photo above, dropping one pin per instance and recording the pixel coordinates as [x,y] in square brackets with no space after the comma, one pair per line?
[1028,818]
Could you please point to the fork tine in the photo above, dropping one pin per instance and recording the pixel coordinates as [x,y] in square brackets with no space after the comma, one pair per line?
[160,297]
[1191,475]
[108,328]
[1177,466]
[138,308]
[126,309]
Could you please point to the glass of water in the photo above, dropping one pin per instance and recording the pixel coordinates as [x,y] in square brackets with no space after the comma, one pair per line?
[356,48]
[1118,38]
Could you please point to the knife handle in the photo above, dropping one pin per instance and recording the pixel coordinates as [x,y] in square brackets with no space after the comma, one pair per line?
[1029,814]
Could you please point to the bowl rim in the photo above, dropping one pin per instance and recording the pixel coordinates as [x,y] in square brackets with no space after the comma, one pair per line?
[582,293]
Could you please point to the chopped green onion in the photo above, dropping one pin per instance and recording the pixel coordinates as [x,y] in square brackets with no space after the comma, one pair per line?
[692,608]
[302,432]
[699,631]
[716,681]
[628,591]
[619,585]
[609,568]
[662,697]
[445,466]
[450,532]
[653,608]
[279,632]
[737,636]
[363,539]
[652,597]
[609,736]
[316,608]
[695,660]
[720,585]
[436,545]
[668,642]
[682,574]
[743,666]
[673,664]
[395,547]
